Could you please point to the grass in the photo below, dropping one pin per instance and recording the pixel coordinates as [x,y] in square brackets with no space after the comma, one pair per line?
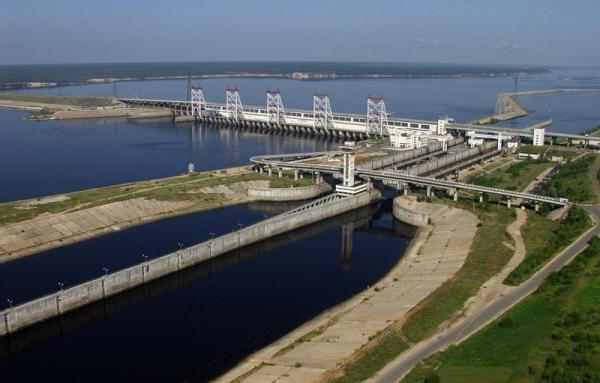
[566,154]
[572,182]
[548,151]
[531,149]
[373,357]
[176,188]
[544,238]
[58,100]
[552,336]
[487,256]
[287,183]
[513,177]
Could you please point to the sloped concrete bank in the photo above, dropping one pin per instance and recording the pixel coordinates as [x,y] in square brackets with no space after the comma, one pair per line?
[53,305]
[314,351]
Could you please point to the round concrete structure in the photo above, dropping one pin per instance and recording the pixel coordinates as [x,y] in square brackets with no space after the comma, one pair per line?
[289,194]
[405,210]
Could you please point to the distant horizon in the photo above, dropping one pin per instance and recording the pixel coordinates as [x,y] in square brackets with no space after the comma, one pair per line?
[307,61]
[512,32]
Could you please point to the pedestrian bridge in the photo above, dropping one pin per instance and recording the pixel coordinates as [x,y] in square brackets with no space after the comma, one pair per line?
[292,161]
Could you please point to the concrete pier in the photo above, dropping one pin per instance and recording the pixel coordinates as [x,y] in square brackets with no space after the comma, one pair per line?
[53,305]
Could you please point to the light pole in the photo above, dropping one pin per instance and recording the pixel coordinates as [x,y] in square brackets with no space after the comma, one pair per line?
[212,237]
[61,285]
[240,225]
[10,303]
[105,271]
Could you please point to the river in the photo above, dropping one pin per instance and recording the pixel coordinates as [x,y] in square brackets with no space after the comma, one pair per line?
[196,324]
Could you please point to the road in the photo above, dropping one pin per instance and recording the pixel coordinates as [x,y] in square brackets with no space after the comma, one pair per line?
[397,369]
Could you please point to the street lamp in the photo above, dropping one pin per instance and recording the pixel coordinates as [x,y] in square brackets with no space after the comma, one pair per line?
[105,270]
[10,303]
[240,225]
[180,245]
[145,257]
[212,237]
[61,285]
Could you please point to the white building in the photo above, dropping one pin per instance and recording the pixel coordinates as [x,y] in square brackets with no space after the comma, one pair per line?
[538,136]
[441,125]
[410,139]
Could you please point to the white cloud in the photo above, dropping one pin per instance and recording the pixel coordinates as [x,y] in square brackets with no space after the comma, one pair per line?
[423,40]
[505,44]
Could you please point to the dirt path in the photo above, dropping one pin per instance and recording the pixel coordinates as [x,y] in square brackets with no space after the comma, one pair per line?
[593,175]
[466,325]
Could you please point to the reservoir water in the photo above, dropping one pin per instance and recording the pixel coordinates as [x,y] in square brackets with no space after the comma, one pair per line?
[196,324]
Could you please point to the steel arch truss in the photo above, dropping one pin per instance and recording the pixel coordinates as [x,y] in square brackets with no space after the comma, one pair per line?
[323,117]
[377,118]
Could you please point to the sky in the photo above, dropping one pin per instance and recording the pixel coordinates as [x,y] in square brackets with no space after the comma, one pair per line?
[523,32]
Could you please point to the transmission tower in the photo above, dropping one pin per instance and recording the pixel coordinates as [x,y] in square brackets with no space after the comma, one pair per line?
[234,104]
[198,102]
[323,117]
[377,118]
[275,107]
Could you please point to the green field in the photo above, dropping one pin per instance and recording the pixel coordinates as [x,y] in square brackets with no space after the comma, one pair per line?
[176,188]
[57,100]
[572,182]
[513,177]
[552,336]
[545,238]
[372,359]
[487,256]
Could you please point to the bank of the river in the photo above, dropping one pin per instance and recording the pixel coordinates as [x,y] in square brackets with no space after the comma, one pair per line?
[50,107]
[309,352]
[510,108]
[34,225]
[275,286]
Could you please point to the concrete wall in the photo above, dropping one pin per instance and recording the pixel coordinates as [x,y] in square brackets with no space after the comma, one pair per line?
[52,305]
[289,194]
[404,212]
[447,160]
[392,159]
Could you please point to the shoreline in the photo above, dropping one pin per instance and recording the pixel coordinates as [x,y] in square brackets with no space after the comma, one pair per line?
[314,351]
[124,206]
[299,75]
[512,109]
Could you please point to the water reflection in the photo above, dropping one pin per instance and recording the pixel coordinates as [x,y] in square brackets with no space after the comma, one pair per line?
[210,316]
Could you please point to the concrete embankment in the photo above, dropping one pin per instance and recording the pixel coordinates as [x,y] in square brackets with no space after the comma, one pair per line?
[130,113]
[406,209]
[288,194]
[105,309]
[53,305]
[311,352]
[48,231]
